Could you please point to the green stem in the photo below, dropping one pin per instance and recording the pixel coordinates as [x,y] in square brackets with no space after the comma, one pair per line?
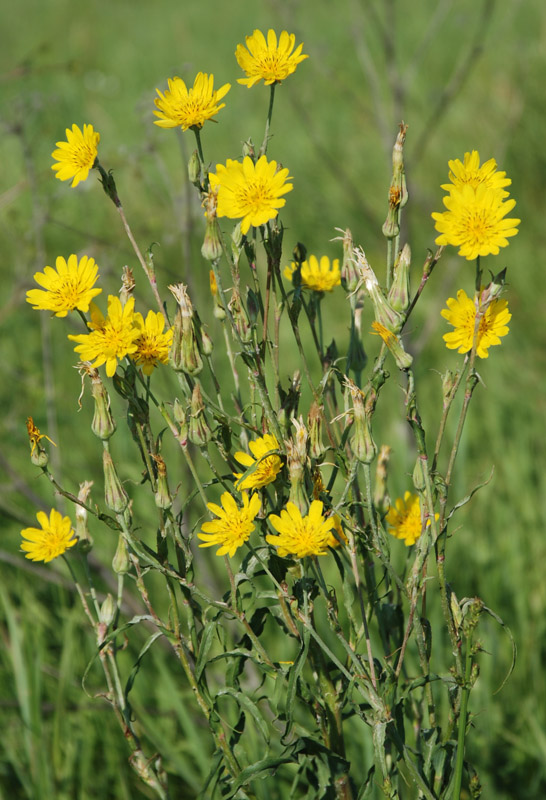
[465,694]
[263,148]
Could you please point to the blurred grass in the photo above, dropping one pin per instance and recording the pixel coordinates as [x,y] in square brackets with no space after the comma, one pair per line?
[334,124]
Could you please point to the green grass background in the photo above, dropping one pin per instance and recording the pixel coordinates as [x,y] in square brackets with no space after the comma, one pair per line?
[463,75]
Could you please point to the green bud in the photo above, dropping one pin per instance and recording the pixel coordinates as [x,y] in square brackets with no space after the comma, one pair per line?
[384,313]
[199,431]
[115,495]
[82,531]
[121,563]
[212,249]
[194,169]
[349,275]
[419,475]
[240,317]
[103,425]
[399,294]
[184,355]
[252,305]
[107,611]
[207,345]
[299,253]
[163,497]
[381,497]
[248,149]
[449,380]
[314,422]
[362,443]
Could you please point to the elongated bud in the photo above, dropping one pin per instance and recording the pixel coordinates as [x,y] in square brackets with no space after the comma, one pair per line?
[184,355]
[381,497]
[127,285]
[349,275]
[252,306]
[384,313]
[399,294]
[240,317]
[107,611]
[296,470]
[121,563]
[180,415]
[362,443]
[248,149]
[419,475]
[398,193]
[211,248]
[207,344]
[163,497]
[194,169]
[219,310]
[199,431]
[449,380]
[103,425]
[82,531]
[115,495]
[314,422]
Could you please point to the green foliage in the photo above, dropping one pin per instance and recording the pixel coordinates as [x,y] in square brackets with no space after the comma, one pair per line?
[334,129]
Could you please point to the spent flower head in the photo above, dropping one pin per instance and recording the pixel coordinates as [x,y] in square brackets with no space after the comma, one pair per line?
[404,519]
[461,313]
[189,108]
[475,220]
[153,343]
[250,192]
[302,536]
[67,287]
[233,526]
[77,155]
[266,467]
[319,276]
[111,338]
[52,539]
[268,59]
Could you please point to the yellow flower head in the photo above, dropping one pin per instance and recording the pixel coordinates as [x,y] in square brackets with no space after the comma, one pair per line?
[302,536]
[250,192]
[404,519]
[266,467]
[68,286]
[470,172]
[233,526]
[461,313]
[111,338]
[152,344]
[51,540]
[77,155]
[189,108]
[337,536]
[315,275]
[474,221]
[266,59]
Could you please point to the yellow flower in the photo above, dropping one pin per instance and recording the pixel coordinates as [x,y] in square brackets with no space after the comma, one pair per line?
[111,338]
[152,344]
[470,172]
[337,536]
[267,467]
[302,536]
[461,313]
[51,540]
[319,277]
[68,286]
[474,220]
[189,108]
[248,191]
[266,59]
[394,343]
[404,519]
[233,526]
[77,155]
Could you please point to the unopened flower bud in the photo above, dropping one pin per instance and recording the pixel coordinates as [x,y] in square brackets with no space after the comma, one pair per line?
[381,497]
[399,294]
[314,422]
[107,611]
[115,495]
[449,379]
[240,317]
[296,470]
[163,497]
[212,249]
[237,236]
[82,531]
[184,354]
[299,253]
[207,345]
[419,475]
[121,563]
[362,443]
[349,275]
[103,425]
[194,169]
[300,439]
[199,432]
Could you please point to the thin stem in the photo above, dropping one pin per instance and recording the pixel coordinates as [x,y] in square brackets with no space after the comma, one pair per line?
[465,694]
[263,148]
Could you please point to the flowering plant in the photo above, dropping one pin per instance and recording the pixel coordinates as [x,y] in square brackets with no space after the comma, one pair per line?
[322,624]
